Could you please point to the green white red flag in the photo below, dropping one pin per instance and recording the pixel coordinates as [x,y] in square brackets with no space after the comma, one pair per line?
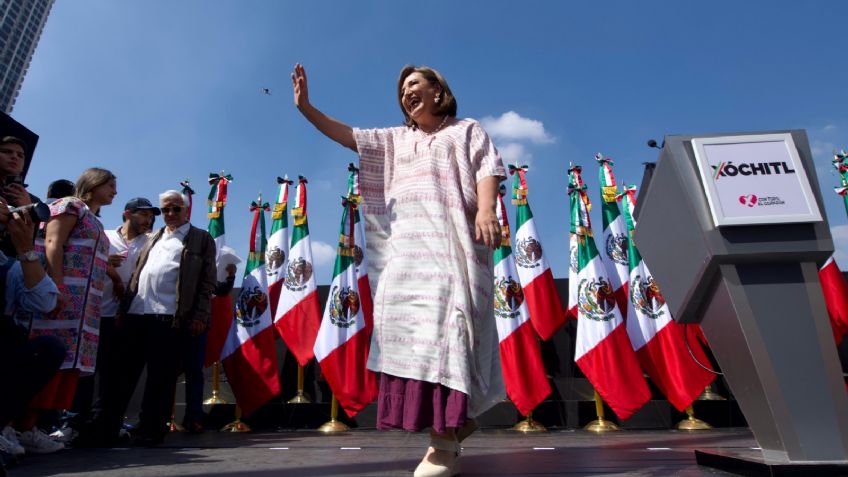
[534,271]
[276,258]
[602,349]
[344,338]
[658,341]
[521,356]
[188,193]
[249,355]
[833,284]
[298,313]
[614,240]
[222,306]
[217,200]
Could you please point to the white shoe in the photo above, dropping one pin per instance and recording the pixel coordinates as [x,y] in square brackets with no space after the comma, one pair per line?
[449,457]
[9,442]
[35,441]
[64,435]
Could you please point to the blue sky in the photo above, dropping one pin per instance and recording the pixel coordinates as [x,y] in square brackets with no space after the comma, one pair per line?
[159,91]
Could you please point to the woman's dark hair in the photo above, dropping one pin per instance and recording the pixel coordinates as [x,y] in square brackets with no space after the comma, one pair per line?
[447,104]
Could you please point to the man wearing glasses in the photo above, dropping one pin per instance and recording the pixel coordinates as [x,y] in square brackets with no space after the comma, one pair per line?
[168,297]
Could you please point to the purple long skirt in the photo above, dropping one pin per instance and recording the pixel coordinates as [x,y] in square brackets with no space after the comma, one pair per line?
[413,405]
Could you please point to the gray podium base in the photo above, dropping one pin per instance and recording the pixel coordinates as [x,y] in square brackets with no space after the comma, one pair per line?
[750,462]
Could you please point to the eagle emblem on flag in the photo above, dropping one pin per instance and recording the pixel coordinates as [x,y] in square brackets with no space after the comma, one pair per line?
[508,297]
[344,306]
[616,248]
[274,259]
[528,252]
[646,297]
[595,299]
[298,274]
[252,303]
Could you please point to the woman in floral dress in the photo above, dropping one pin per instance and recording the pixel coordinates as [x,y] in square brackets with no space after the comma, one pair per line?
[76,252]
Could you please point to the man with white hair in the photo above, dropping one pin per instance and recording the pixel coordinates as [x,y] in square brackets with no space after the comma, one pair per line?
[168,298]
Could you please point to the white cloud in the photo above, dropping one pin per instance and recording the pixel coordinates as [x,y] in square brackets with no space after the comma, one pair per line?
[511,126]
[829,128]
[323,253]
[513,152]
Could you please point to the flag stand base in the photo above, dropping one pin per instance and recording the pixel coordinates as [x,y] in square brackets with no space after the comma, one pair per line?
[691,423]
[529,425]
[333,425]
[215,398]
[300,397]
[710,395]
[601,425]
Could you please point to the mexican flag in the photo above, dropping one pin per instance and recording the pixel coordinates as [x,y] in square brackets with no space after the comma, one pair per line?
[614,243]
[602,351]
[534,271]
[217,200]
[298,314]
[657,340]
[833,284]
[278,243]
[249,355]
[188,193]
[521,355]
[345,334]
[222,306]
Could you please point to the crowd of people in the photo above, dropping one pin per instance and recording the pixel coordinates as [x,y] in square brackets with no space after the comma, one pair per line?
[84,305]
[85,310]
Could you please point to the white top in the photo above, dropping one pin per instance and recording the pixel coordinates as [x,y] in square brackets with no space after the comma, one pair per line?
[157,285]
[119,246]
[433,300]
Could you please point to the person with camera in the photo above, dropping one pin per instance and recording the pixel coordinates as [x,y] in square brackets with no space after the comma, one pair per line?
[13,153]
[26,365]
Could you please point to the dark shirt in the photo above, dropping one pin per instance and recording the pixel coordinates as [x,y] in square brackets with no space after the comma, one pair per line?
[224,288]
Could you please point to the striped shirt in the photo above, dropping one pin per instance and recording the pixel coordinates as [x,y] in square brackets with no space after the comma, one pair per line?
[433,300]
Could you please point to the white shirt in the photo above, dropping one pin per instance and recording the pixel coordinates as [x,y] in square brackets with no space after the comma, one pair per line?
[131,249]
[157,284]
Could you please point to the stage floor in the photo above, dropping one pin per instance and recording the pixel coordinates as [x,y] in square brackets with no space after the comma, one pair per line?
[488,452]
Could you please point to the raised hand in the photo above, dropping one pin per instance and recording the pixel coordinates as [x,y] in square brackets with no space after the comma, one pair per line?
[300,87]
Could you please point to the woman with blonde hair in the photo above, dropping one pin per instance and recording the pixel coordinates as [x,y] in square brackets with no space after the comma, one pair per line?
[429,190]
[75,248]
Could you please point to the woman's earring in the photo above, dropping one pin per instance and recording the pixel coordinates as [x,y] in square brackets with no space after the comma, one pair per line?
[437,99]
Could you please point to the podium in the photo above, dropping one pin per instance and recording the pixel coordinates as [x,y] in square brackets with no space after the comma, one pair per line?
[733,229]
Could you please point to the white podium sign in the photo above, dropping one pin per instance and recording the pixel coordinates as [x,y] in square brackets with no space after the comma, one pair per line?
[756,179]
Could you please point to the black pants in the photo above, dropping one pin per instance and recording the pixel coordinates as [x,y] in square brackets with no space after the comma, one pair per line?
[26,366]
[140,340]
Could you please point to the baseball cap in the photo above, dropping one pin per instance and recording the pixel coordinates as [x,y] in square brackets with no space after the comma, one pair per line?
[140,203]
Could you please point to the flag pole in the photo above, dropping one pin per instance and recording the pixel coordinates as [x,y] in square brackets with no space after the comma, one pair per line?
[301,397]
[691,423]
[600,425]
[333,425]
[237,425]
[215,398]
[529,425]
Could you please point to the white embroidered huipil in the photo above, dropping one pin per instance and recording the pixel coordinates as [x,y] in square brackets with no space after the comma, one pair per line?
[433,301]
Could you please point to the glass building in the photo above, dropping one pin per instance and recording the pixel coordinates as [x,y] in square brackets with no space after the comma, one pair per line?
[21,23]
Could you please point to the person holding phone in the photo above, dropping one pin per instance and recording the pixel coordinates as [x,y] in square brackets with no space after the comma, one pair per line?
[13,152]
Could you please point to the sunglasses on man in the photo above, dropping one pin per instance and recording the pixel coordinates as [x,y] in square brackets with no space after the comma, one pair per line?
[175,209]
